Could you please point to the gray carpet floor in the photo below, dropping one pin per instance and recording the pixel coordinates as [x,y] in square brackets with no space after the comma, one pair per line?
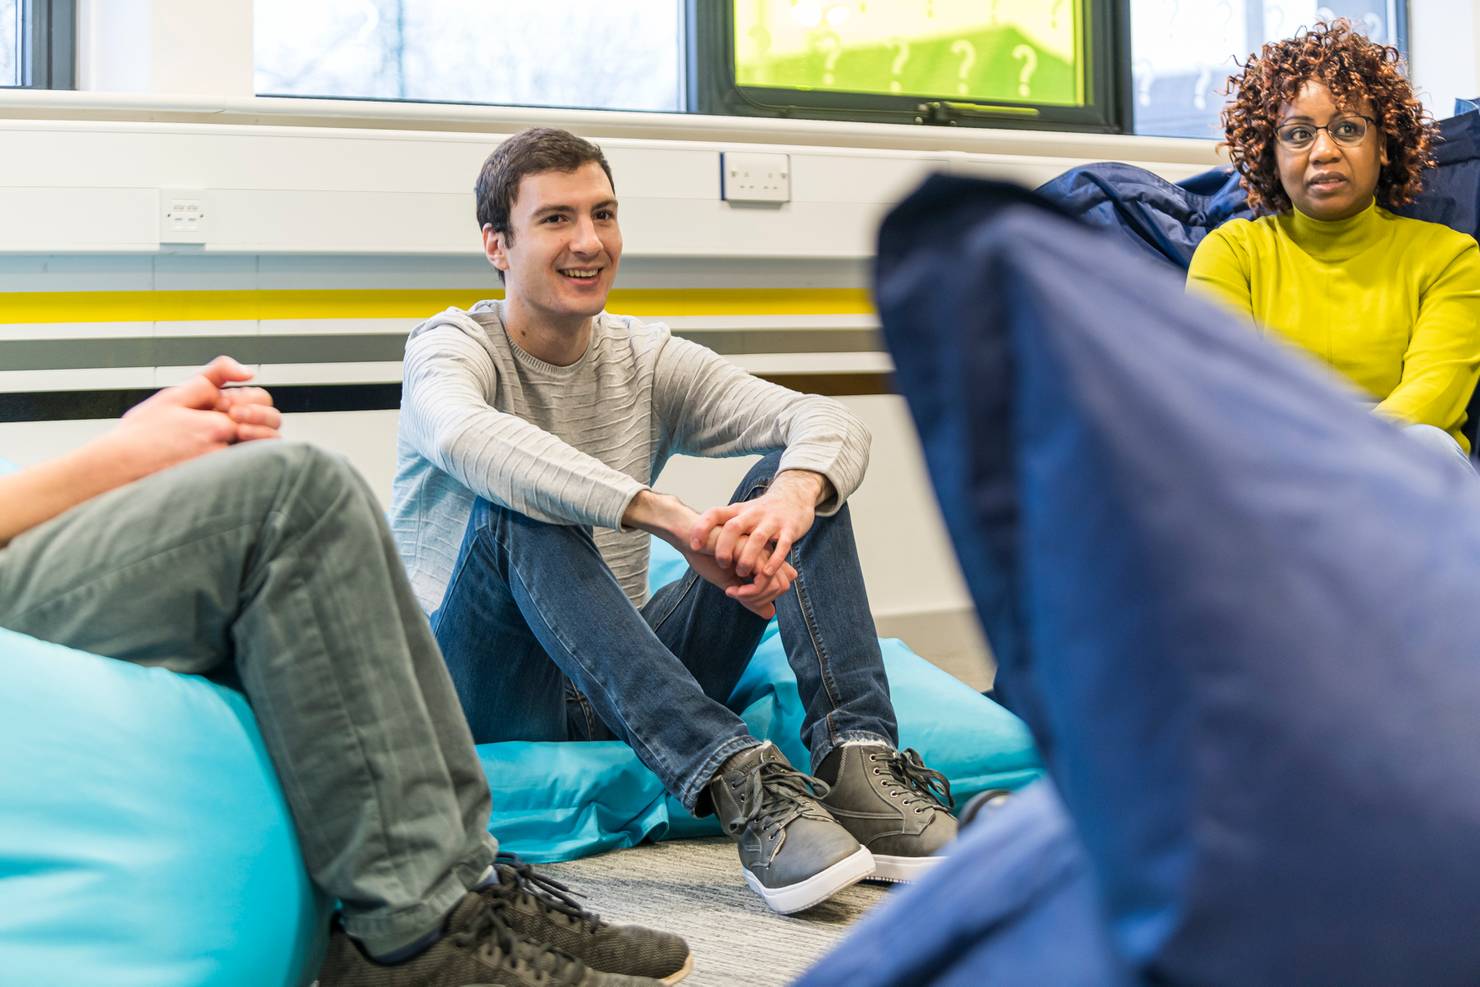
[694,888]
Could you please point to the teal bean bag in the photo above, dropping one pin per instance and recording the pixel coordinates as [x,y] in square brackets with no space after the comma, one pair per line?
[144,839]
[555,801]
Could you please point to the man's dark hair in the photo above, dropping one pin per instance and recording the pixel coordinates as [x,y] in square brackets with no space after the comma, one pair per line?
[526,153]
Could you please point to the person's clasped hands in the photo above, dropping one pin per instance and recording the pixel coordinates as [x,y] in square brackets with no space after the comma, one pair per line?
[750,540]
[203,415]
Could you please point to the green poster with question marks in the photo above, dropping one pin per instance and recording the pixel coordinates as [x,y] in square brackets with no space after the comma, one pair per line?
[1015,51]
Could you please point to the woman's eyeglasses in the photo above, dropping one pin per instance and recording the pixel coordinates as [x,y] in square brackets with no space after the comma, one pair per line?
[1348,131]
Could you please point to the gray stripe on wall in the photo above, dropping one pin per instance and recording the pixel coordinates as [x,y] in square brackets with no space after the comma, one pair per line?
[186,351]
[730,342]
[75,354]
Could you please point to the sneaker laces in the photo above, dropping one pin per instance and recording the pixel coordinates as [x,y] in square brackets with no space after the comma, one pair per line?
[921,785]
[548,893]
[778,794]
[488,927]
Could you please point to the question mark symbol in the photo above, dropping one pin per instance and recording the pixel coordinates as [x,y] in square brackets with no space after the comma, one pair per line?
[1200,88]
[967,51]
[831,47]
[1205,73]
[1053,13]
[1145,75]
[1029,58]
[897,66]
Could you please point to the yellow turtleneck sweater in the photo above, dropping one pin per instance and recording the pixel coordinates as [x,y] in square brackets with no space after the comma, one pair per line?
[1391,303]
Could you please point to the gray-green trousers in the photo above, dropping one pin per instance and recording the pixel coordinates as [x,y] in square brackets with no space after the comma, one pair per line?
[269,565]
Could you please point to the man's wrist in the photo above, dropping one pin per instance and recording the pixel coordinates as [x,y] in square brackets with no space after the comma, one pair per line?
[809,485]
[659,514]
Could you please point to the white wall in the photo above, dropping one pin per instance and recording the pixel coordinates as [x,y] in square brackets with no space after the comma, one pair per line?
[1443,40]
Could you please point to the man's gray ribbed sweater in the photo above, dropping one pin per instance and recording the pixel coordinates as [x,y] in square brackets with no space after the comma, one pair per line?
[480,417]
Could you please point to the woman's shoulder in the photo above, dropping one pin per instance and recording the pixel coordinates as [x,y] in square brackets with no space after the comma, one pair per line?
[1240,237]
[1247,230]
[1427,235]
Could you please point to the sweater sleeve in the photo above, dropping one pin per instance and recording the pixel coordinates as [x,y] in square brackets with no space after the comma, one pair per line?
[446,415]
[1220,270]
[1442,361]
[713,408]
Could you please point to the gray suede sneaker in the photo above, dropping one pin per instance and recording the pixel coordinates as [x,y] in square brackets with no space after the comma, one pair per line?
[478,949]
[542,909]
[794,853]
[892,804]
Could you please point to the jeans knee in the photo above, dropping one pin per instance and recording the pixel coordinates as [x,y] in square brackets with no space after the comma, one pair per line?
[504,524]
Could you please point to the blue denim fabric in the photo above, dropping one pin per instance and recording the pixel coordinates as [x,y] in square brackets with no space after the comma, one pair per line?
[543,644]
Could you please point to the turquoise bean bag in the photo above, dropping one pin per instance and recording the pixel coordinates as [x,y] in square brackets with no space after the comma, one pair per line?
[144,839]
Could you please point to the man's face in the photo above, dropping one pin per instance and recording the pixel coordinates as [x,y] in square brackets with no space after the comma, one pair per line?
[562,258]
[1329,179]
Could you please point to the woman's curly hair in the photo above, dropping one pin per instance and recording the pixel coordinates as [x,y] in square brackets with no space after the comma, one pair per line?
[1352,67]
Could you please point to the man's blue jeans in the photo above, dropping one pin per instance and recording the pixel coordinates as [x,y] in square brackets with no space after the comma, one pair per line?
[543,644]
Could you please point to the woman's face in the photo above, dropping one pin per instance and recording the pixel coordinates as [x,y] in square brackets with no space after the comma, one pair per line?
[1332,177]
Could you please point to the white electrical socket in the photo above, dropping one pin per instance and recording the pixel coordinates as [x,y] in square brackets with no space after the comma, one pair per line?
[750,176]
[182,216]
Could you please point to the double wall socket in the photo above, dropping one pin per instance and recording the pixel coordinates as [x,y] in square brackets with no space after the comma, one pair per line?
[750,176]
[182,216]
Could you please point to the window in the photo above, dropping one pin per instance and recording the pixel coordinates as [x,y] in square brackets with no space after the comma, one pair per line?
[1028,63]
[599,54]
[36,43]
[1154,67]
[10,43]
[1182,51]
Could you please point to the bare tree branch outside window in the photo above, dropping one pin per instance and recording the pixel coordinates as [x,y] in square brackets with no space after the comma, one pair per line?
[599,54]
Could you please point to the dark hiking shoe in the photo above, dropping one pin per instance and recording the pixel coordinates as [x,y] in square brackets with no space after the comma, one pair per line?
[478,949]
[793,852]
[544,910]
[892,804]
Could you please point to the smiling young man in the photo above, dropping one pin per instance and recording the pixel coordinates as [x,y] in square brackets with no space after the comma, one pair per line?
[1329,136]
[532,430]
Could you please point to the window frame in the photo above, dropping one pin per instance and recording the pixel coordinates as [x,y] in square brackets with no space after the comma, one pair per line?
[48,44]
[712,88]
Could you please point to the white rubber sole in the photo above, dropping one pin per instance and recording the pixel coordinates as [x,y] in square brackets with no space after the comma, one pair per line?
[679,974]
[902,870]
[817,888]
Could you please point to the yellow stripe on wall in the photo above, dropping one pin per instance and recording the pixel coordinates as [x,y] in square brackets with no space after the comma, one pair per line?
[211,306]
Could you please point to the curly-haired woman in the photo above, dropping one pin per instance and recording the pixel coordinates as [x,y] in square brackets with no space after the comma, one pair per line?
[1328,137]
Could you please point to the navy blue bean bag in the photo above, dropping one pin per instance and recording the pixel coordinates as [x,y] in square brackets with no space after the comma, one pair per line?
[1235,609]
[1017,905]
[1167,220]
